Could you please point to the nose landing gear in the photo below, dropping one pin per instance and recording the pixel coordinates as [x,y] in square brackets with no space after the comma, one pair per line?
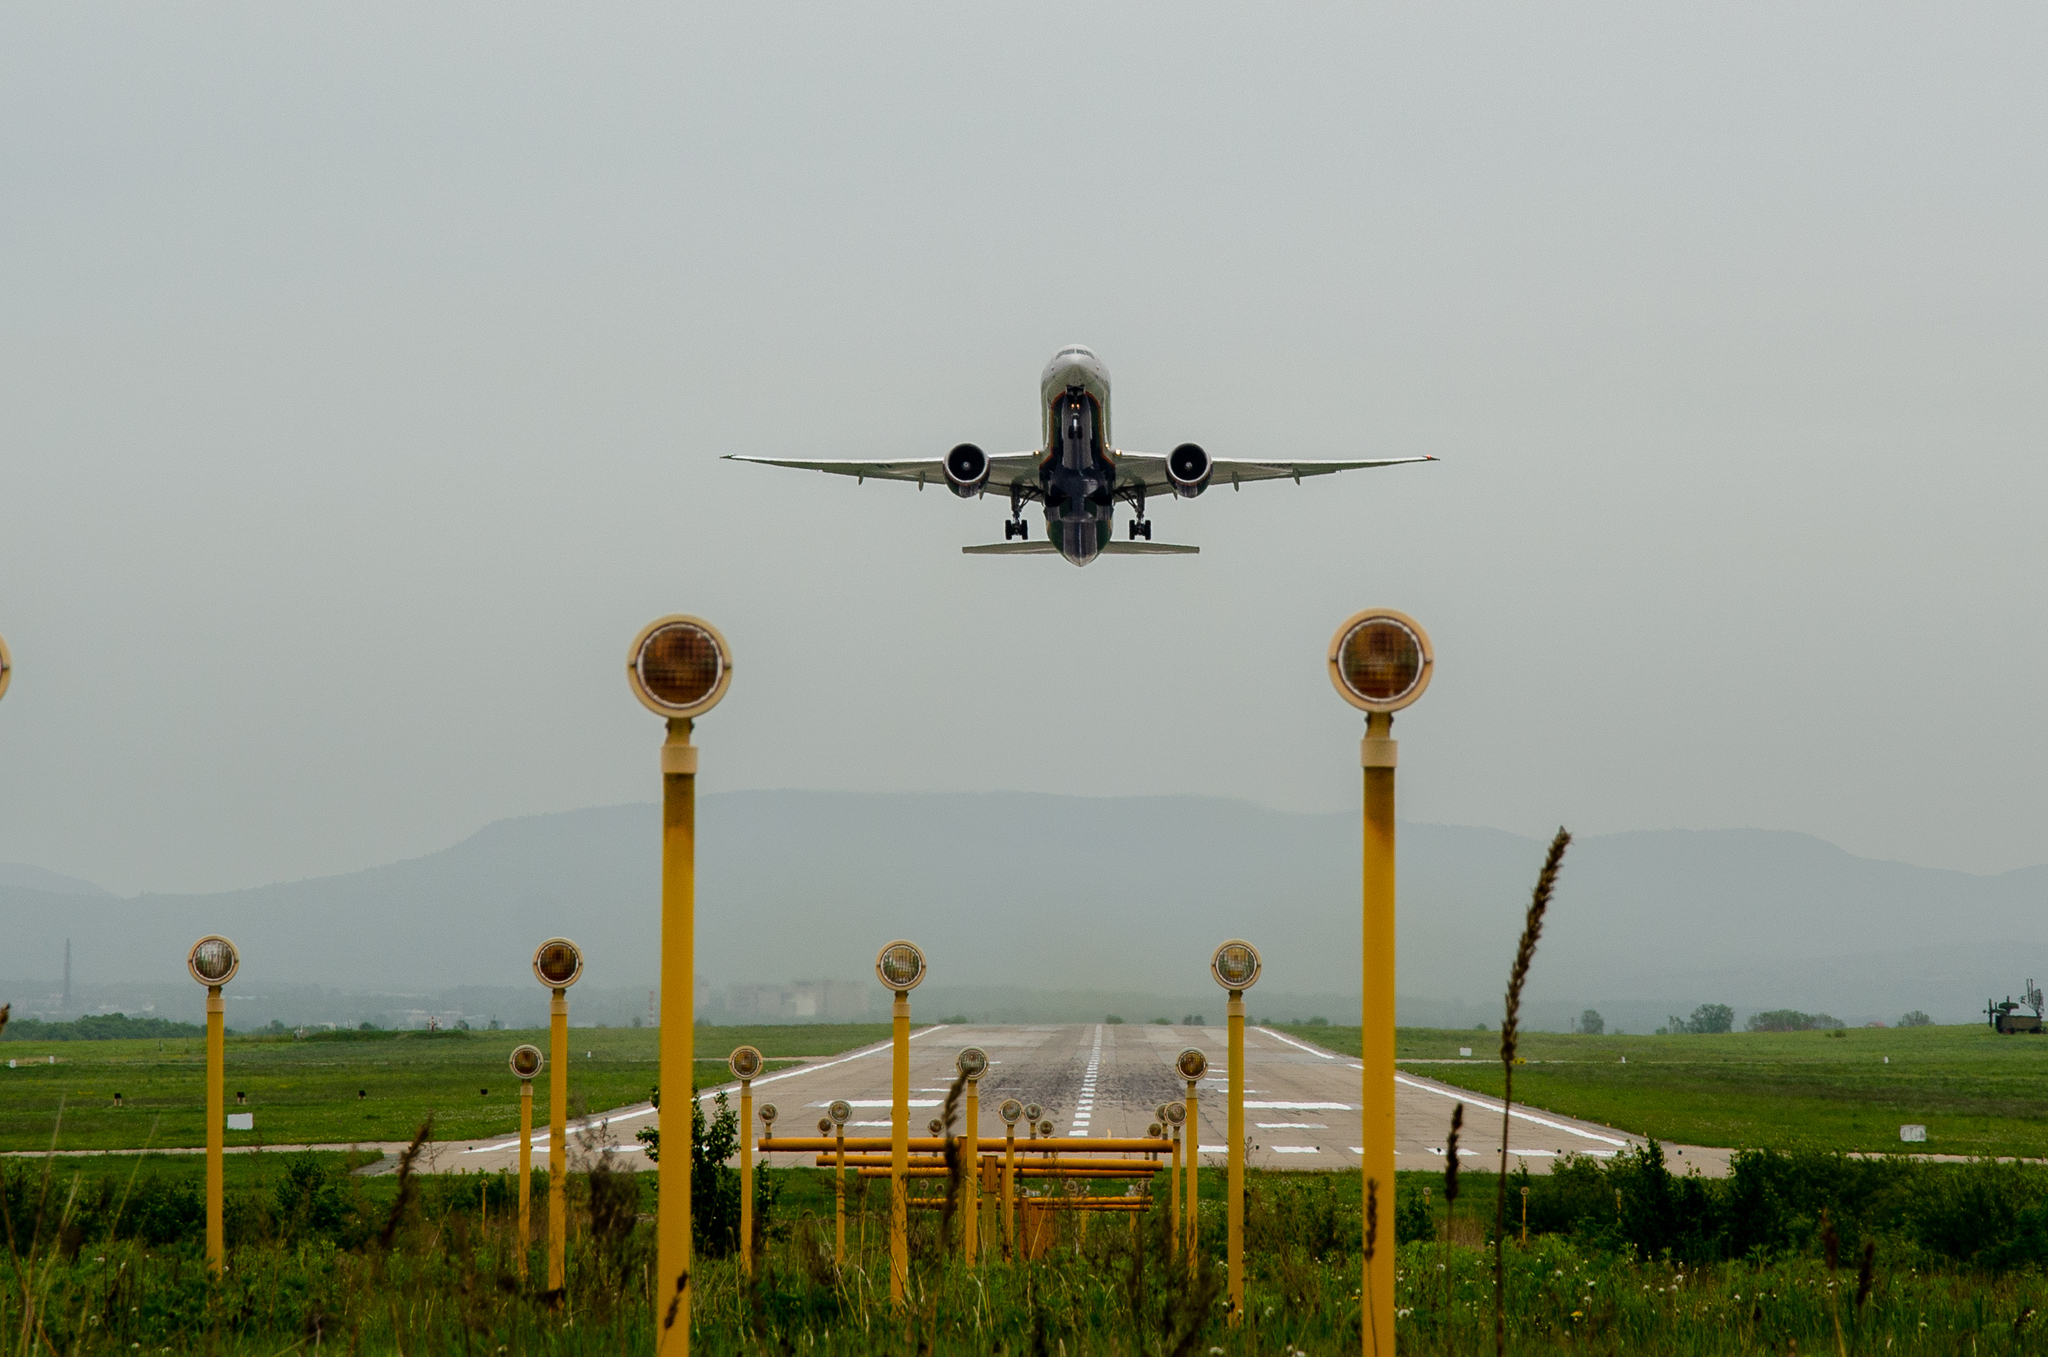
[1141,527]
[1016,527]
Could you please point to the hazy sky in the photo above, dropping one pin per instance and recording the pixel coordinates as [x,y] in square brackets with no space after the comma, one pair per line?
[364,372]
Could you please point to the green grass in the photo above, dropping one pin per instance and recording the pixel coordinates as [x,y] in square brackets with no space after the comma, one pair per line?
[305,1092]
[1977,1093]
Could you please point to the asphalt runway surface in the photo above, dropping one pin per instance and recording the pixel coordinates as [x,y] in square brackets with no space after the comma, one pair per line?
[1107,1080]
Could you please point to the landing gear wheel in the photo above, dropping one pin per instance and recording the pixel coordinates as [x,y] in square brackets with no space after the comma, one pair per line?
[1141,527]
[1016,527]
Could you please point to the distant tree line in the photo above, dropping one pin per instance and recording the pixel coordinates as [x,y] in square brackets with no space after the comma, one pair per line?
[1792,1020]
[99,1027]
[1706,1020]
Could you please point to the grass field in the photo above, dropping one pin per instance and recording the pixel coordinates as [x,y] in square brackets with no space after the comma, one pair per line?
[1977,1093]
[306,1092]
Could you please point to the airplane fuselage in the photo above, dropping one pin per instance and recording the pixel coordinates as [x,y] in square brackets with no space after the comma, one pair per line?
[1077,473]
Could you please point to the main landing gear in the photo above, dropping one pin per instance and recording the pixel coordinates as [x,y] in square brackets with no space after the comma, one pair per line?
[1141,527]
[1016,527]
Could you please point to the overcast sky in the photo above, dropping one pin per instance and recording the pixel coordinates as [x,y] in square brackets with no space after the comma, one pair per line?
[364,375]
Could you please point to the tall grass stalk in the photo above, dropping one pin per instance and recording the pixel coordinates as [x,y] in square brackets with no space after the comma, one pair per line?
[1510,1031]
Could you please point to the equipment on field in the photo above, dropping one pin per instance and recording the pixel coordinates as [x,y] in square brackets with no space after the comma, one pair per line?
[2005,1018]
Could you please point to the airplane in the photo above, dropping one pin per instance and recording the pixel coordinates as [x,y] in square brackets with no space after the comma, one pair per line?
[1079,474]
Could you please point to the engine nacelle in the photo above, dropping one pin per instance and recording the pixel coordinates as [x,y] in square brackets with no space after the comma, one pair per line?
[1189,468]
[967,470]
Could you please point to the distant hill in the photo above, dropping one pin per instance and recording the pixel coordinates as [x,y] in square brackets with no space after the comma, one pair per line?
[1024,894]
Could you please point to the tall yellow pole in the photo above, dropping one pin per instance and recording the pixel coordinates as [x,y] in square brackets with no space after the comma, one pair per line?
[216,1125]
[839,1202]
[678,999]
[558,1138]
[1173,1196]
[1193,1131]
[1234,1208]
[899,1157]
[971,1229]
[747,1176]
[1376,1019]
[525,1173]
[1009,1192]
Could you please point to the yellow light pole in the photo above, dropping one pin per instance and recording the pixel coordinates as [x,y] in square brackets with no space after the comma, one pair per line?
[839,1112]
[1176,1117]
[973,1062]
[526,1063]
[679,667]
[900,966]
[213,962]
[1192,1065]
[558,964]
[1236,967]
[6,666]
[1010,1111]
[1380,661]
[745,1063]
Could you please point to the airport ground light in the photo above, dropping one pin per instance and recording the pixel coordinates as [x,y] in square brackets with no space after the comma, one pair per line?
[972,1064]
[1235,966]
[558,964]
[745,1063]
[1192,1065]
[678,667]
[900,967]
[526,1063]
[213,962]
[1379,662]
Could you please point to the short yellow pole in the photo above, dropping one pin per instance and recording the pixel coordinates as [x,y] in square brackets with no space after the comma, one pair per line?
[1009,1192]
[1376,1018]
[1193,1131]
[525,1172]
[839,1202]
[971,1227]
[1525,1217]
[747,1176]
[1234,1209]
[216,1126]
[558,1139]
[899,1158]
[678,999]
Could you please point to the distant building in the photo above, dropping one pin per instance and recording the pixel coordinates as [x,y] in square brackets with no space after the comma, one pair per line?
[797,1001]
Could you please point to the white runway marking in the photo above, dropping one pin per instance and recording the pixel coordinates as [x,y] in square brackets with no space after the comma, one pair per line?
[1323,1055]
[1479,1102]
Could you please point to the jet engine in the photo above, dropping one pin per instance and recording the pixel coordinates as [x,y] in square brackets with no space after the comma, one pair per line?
[967,470]
[1189,468]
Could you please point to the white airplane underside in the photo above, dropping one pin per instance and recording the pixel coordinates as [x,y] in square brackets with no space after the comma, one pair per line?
[1079,475]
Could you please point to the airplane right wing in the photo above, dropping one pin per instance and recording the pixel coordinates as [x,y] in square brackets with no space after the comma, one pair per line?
[1003,470]
[1151,468]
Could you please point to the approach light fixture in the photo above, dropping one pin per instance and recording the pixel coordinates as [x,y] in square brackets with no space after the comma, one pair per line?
[1192,1064]
[557,963]
[526,1061]
[744,1062]
[213,961]
[768,1113]
[1045,1127]
[972,1062]
[839,1111]
[1380,660]
[1235,965]
[1011,1111]
[935,1127]
[1175,1114]
[1032,1112]
[900,966]
[679,666]
[824,1126]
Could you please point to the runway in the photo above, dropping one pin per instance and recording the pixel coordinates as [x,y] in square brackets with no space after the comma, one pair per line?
[1106,1080]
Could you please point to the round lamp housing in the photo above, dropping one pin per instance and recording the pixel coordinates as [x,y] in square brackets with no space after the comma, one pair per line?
[526,1061]
[934,1127]
[824,1126]
[1032,1111]
[900,966]
[768,1113]
[972,1062]
[557,963]
[213,960]
[1175,1114]
[1191,1063]
[1235,965]
[679,666]
[1011,1111]
[839,1111]
[1045,1127]
[744,1062]
[1380,660]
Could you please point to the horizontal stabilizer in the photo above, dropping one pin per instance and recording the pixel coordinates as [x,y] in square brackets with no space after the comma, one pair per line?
[1047,549]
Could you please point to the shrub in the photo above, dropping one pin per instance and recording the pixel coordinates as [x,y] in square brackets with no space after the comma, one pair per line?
[1591,1023]
[1791,1020]
[1916,1019]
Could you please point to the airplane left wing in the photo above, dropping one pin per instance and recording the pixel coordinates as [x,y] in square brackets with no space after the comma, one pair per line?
[1230,471]
[1002,470]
